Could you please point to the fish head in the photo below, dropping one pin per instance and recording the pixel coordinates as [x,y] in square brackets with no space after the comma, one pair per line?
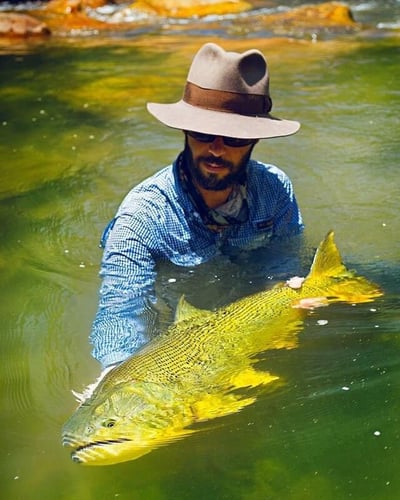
[123,423]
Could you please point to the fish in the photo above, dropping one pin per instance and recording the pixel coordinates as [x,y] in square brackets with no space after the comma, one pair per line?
[204,366]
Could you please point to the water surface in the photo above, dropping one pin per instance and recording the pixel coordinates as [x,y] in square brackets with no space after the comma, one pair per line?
[74,136]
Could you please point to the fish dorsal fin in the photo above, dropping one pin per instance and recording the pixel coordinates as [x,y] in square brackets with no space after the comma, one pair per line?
[184,310]
[327,260]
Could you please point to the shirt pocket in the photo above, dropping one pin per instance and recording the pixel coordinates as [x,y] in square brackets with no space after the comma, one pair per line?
[262,233]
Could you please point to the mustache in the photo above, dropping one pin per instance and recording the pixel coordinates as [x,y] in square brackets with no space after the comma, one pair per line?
[217,161]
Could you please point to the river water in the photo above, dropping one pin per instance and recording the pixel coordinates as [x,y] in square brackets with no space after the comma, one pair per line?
[74,136]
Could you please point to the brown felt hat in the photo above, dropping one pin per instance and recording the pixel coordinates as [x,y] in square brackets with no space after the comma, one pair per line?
[226,93]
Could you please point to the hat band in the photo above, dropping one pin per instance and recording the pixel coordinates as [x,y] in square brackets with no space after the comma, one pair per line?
[229,102]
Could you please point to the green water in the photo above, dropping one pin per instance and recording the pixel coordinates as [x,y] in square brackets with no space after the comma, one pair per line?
[74,136]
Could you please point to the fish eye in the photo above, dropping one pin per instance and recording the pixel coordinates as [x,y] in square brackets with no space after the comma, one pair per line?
[109,423]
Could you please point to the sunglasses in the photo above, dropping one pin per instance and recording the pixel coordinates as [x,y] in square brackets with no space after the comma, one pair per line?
[232,142]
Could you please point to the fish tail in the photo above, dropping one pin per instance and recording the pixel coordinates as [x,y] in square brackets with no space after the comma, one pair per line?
[327,260]
[341,284]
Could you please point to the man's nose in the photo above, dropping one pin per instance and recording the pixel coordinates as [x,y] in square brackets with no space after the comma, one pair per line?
[217,146]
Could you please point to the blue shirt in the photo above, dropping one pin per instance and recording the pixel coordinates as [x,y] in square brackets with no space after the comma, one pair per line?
[157,221]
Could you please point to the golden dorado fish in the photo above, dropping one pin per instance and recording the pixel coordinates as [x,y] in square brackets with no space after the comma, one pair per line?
[198,368]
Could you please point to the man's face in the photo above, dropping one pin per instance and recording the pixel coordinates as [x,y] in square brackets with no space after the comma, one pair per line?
[214,165]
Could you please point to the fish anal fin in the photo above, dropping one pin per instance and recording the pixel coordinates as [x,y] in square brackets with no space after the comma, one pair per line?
[218,405]
[185,310]
[249,377]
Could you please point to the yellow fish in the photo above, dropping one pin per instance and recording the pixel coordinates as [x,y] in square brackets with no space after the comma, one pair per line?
[196,369]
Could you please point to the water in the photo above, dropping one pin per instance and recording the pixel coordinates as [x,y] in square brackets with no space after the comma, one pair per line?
[74,135]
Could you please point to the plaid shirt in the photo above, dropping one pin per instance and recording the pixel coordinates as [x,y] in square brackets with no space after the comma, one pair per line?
[157,221]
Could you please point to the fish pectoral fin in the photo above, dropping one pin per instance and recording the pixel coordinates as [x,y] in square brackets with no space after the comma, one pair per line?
[184,310]
[218,405]
[249,377]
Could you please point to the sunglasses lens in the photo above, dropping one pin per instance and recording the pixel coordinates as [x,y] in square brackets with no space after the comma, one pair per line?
[202,137]
[232,142]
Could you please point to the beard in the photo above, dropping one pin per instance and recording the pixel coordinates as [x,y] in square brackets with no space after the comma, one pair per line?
[213,182]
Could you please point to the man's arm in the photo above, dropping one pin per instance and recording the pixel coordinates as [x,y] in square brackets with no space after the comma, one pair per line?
[125,308]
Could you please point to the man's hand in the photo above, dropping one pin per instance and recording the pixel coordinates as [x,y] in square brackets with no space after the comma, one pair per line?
[295,282]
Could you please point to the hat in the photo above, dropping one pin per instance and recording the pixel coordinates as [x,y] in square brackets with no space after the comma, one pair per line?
[227,94]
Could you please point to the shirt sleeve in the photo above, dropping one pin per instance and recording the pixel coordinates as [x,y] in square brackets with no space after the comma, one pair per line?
[125,309]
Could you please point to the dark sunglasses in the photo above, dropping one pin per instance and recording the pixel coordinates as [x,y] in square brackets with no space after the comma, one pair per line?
[232,142]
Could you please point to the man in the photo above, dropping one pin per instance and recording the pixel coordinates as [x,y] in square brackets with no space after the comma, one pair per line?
[213,198]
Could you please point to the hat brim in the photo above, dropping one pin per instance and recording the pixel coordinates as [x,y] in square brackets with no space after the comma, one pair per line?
[183,116]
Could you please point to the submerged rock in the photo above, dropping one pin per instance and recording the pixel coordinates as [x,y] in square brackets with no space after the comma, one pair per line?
[328,15]
[299,22]
[73,6]
[190,8]
[74,15]
[21,25]
[325,15]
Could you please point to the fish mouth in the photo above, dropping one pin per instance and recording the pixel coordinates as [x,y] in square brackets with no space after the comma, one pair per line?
[85,450]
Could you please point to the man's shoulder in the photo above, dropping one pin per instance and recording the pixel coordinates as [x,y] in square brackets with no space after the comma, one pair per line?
[159,180]
[154,191]
[261,171]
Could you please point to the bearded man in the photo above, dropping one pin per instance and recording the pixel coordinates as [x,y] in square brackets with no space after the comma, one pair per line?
[212,198]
